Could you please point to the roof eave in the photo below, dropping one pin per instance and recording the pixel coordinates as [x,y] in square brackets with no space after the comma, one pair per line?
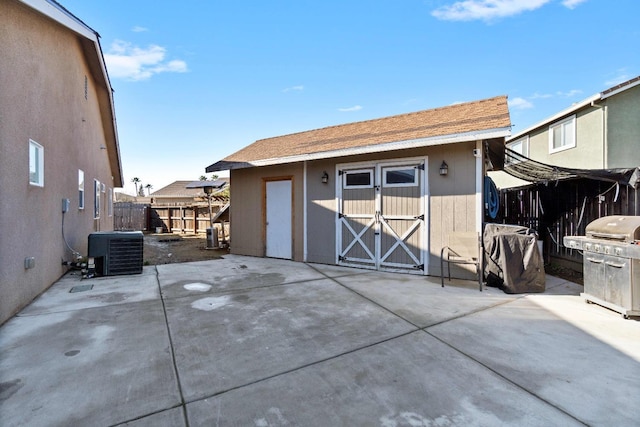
[59,14]
[566,112]
[368,149]
[578,106]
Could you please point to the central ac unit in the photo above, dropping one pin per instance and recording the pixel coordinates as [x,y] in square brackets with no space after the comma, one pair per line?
[116,252]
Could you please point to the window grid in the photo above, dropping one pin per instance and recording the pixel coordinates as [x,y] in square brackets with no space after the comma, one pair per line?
[36,164]
[562,135]
[80,189]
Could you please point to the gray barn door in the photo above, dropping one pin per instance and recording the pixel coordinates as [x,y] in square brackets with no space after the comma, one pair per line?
[381,218]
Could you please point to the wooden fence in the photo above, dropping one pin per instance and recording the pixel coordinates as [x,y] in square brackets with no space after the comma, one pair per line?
[182,219]
[128,216]
[170,219]
[565,208]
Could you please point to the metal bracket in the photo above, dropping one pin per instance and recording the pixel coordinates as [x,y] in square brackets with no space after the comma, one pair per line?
[342,258]
[419,217]
[419,267]
[420,166]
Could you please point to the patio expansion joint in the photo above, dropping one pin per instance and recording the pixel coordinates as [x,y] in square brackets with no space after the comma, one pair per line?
[489,368]
[173,353]
[336,281]
[301,367]
[243,290]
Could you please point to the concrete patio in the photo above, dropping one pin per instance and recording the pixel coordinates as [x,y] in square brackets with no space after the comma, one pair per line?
[262,342]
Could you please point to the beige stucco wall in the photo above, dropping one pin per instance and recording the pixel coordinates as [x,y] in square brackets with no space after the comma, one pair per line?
[452,201]
[623,129]
[42,76]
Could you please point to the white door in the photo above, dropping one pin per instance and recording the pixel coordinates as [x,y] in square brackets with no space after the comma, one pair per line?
[381,218]
[278,219]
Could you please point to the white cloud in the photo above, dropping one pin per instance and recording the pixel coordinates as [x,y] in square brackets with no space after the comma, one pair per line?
[621,77]
[486,10]
[139,29]
[572,4]
[570,94]
[520,104]
[354,108]
[540,96]
[130,62]
[298,88]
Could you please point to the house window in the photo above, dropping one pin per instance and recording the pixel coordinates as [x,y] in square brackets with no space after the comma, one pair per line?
[96,199]
[358,179]
[110,202]
[36,164]
[80,189]
[520,146]
[400,177]
[562,135]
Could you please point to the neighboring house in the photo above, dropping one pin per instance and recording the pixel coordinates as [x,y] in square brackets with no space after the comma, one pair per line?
[183,206]
[177,193]
[367,194]
[600,132]
[59,146]
[578,165]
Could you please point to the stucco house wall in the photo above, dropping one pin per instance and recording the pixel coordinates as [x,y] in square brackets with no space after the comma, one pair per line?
[623,129]
[607,132]
[51,94]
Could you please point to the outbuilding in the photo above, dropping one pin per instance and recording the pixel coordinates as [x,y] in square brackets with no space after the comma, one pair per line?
[381,194]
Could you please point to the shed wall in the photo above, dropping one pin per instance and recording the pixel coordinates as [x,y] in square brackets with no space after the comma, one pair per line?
[248,208]
[451,198]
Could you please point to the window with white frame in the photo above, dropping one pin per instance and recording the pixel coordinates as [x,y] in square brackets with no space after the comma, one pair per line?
[36,164]
[562,135]
[110,202]
[96,199]
[362,178]
[401,176]
[80,189]
[520,146]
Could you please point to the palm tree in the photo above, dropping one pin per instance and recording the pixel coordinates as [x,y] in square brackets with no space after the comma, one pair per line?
[136,181]
[148,187]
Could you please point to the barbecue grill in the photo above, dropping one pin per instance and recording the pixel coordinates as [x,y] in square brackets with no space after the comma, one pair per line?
[611,263]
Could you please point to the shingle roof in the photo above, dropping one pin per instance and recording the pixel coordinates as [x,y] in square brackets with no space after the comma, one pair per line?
[179,189]
[486,114]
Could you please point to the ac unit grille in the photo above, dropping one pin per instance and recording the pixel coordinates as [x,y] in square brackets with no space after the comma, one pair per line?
[125,256]
[116,252]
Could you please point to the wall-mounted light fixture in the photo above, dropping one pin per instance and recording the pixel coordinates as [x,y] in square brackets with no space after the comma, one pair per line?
[444,168]
[325,177]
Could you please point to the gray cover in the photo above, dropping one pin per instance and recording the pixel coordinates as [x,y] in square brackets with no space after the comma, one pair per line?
[512,260]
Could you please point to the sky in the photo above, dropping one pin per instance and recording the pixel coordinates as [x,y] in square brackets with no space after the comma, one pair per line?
[197,80]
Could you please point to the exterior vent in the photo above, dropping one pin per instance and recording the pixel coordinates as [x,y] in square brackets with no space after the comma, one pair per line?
[116,253]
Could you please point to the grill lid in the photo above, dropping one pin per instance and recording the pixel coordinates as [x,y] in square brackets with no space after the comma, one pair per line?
[615,227]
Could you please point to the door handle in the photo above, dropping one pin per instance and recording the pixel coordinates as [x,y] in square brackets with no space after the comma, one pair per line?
[613,264]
